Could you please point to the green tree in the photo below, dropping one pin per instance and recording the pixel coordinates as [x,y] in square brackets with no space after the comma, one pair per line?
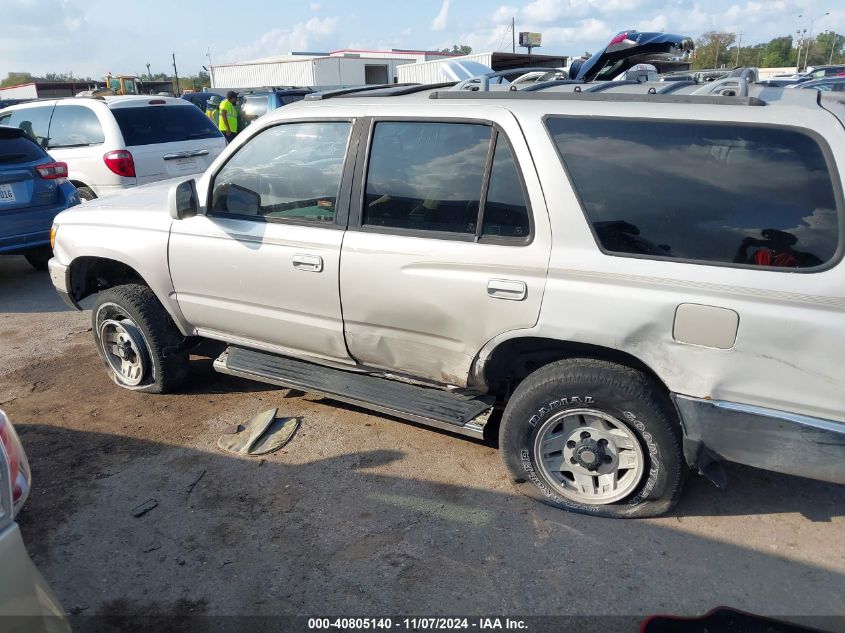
[827,47]
[780,53]
[13,79]
[458,49]
[712,50]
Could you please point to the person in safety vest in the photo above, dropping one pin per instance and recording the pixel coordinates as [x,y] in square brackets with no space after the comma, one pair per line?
[213,111]
[229,116]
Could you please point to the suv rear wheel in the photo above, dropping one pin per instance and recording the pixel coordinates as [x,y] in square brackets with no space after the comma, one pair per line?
[137,340]
[594,437]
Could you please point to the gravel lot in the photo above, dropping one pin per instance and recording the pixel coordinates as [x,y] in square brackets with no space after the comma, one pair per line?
[360,514]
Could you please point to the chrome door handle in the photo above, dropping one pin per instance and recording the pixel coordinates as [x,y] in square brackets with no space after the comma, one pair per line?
[199,152]
[176,155]
[508,289]
[310,263]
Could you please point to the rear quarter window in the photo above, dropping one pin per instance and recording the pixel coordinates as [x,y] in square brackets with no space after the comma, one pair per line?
[149,125]
[75,126]
[702,192]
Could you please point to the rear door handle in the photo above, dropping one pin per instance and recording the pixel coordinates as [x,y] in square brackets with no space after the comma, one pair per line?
[199,152]
[309,263]
[508,289]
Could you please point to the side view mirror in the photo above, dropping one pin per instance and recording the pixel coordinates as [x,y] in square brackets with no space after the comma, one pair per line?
[183,201]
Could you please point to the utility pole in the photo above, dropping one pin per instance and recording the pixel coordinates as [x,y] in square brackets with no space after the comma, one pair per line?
[738,48]
[800,46]
[176,75]
[810,38]
[832,47]
[716,63]
[513,36]
[149,74]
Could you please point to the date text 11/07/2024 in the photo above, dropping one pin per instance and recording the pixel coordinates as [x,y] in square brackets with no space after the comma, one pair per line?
[416,624]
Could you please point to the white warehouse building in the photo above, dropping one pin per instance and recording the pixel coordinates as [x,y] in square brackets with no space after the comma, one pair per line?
[324,70]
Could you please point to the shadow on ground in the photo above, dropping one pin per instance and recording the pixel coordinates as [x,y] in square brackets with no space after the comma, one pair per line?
[359,533]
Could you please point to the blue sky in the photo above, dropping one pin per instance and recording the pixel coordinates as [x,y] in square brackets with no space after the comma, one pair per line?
[94,37]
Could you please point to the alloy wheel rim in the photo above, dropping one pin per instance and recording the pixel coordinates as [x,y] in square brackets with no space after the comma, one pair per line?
[589,456]
[124,350]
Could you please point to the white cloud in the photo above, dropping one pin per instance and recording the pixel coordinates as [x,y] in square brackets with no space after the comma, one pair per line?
[440,20]
[544,10]
[279,41]
[315,6]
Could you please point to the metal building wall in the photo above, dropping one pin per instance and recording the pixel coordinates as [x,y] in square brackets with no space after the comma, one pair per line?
[293,73]
[24,91]
[429,72]
[349,71]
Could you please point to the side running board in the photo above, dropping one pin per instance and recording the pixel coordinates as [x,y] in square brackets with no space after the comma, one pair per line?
[456,412]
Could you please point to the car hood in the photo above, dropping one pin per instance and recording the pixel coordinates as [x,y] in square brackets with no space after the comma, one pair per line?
[145,206]
[628,49]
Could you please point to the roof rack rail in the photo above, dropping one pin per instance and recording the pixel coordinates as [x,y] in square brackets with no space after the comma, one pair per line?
[587,96]
[542,85]
[340,92]
[483,84]
[408,89]
[601,86]
[672,86]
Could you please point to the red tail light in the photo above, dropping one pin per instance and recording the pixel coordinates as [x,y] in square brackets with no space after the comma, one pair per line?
[621,37]
[18,466]
[52,171]
[121,163]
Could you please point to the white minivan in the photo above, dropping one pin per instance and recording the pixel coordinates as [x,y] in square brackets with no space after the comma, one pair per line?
[112,143]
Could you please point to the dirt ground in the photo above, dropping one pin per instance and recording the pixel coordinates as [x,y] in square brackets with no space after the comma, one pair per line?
[360,514]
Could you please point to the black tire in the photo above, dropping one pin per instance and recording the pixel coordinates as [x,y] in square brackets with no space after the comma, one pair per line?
[627,395]
[164,365]
[38,257]
[86,193]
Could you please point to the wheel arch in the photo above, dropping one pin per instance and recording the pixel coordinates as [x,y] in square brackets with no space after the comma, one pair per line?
[500,368]
[91,274]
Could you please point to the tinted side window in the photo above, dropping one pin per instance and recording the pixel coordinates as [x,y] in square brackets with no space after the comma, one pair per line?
[505,212]
[288,99]
[254,107]
[759,196]
[34,121]
[75,126]
[426,176]
[288,171]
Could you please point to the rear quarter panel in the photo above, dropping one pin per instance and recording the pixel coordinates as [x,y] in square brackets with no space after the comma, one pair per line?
[790,345]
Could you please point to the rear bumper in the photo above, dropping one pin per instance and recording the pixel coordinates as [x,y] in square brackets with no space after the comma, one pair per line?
[764,438]
[60,276]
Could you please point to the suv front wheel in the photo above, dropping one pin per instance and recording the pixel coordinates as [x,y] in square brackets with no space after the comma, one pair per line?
[594,437]
[137,340]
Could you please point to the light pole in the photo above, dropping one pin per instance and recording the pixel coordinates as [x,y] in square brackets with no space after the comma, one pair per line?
[832,47]
[800,35]
[810,37]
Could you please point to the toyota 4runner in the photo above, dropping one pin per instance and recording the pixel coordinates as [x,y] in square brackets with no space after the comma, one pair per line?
[628,280]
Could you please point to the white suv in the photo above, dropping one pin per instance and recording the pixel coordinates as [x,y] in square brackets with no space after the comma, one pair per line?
[112,143]
[637,277]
